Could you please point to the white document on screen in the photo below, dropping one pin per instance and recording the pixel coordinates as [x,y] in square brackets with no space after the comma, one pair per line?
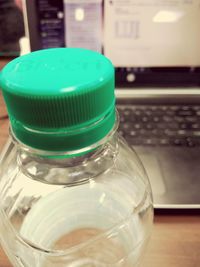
[83,24]
[152,33]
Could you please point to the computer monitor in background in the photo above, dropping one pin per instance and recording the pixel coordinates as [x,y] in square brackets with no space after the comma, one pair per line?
[61,23]
[152,33]
[152,39]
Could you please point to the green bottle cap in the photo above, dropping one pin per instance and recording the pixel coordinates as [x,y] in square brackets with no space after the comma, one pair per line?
[60,99]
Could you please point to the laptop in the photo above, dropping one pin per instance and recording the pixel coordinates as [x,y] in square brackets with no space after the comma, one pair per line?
[155,48]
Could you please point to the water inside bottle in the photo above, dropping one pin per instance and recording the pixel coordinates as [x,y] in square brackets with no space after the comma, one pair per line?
[105,251]
[95,229]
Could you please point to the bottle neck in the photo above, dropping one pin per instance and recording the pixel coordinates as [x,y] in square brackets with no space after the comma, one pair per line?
[65,154]
[65,138]
[70,167]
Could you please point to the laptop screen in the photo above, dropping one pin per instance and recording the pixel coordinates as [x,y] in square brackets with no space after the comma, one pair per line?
[157,41]
[153,33]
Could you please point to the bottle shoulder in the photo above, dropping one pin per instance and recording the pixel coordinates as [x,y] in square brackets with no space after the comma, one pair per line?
[113,168]
[115,156]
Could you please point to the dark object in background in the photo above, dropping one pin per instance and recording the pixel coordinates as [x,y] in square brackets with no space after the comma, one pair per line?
[45,23]
[11,28]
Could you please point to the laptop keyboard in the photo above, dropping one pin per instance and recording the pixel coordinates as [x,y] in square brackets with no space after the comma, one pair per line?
[171,125]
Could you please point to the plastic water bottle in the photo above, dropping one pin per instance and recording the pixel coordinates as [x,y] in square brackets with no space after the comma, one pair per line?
[72,192]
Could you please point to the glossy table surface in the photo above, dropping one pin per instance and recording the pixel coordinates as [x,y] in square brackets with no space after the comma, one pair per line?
[175,240]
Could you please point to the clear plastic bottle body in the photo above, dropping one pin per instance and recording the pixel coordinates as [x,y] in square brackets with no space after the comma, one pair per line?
[90,209]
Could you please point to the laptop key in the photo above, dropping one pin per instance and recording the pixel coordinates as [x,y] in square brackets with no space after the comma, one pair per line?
[179,119]
[195,126]
[148,112]
[164,142]
[144,132]
[157,132]
[126,127]
[179,142]
[145,119]
[159,113]
[150,126]
[156,119]
[184,126]
[184,133]
[137,126]
[161,125]
[191,144]
[170,132]
[164,108]
[191,119]
[173,125]
[137,112]
[127,112]
[132,133]
[185,113]
[170,112]
[196,133]
[151,141]
[167,118]
[174,108]
[185,107]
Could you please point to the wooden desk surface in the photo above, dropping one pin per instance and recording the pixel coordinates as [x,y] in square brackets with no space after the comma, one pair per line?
[175,239]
